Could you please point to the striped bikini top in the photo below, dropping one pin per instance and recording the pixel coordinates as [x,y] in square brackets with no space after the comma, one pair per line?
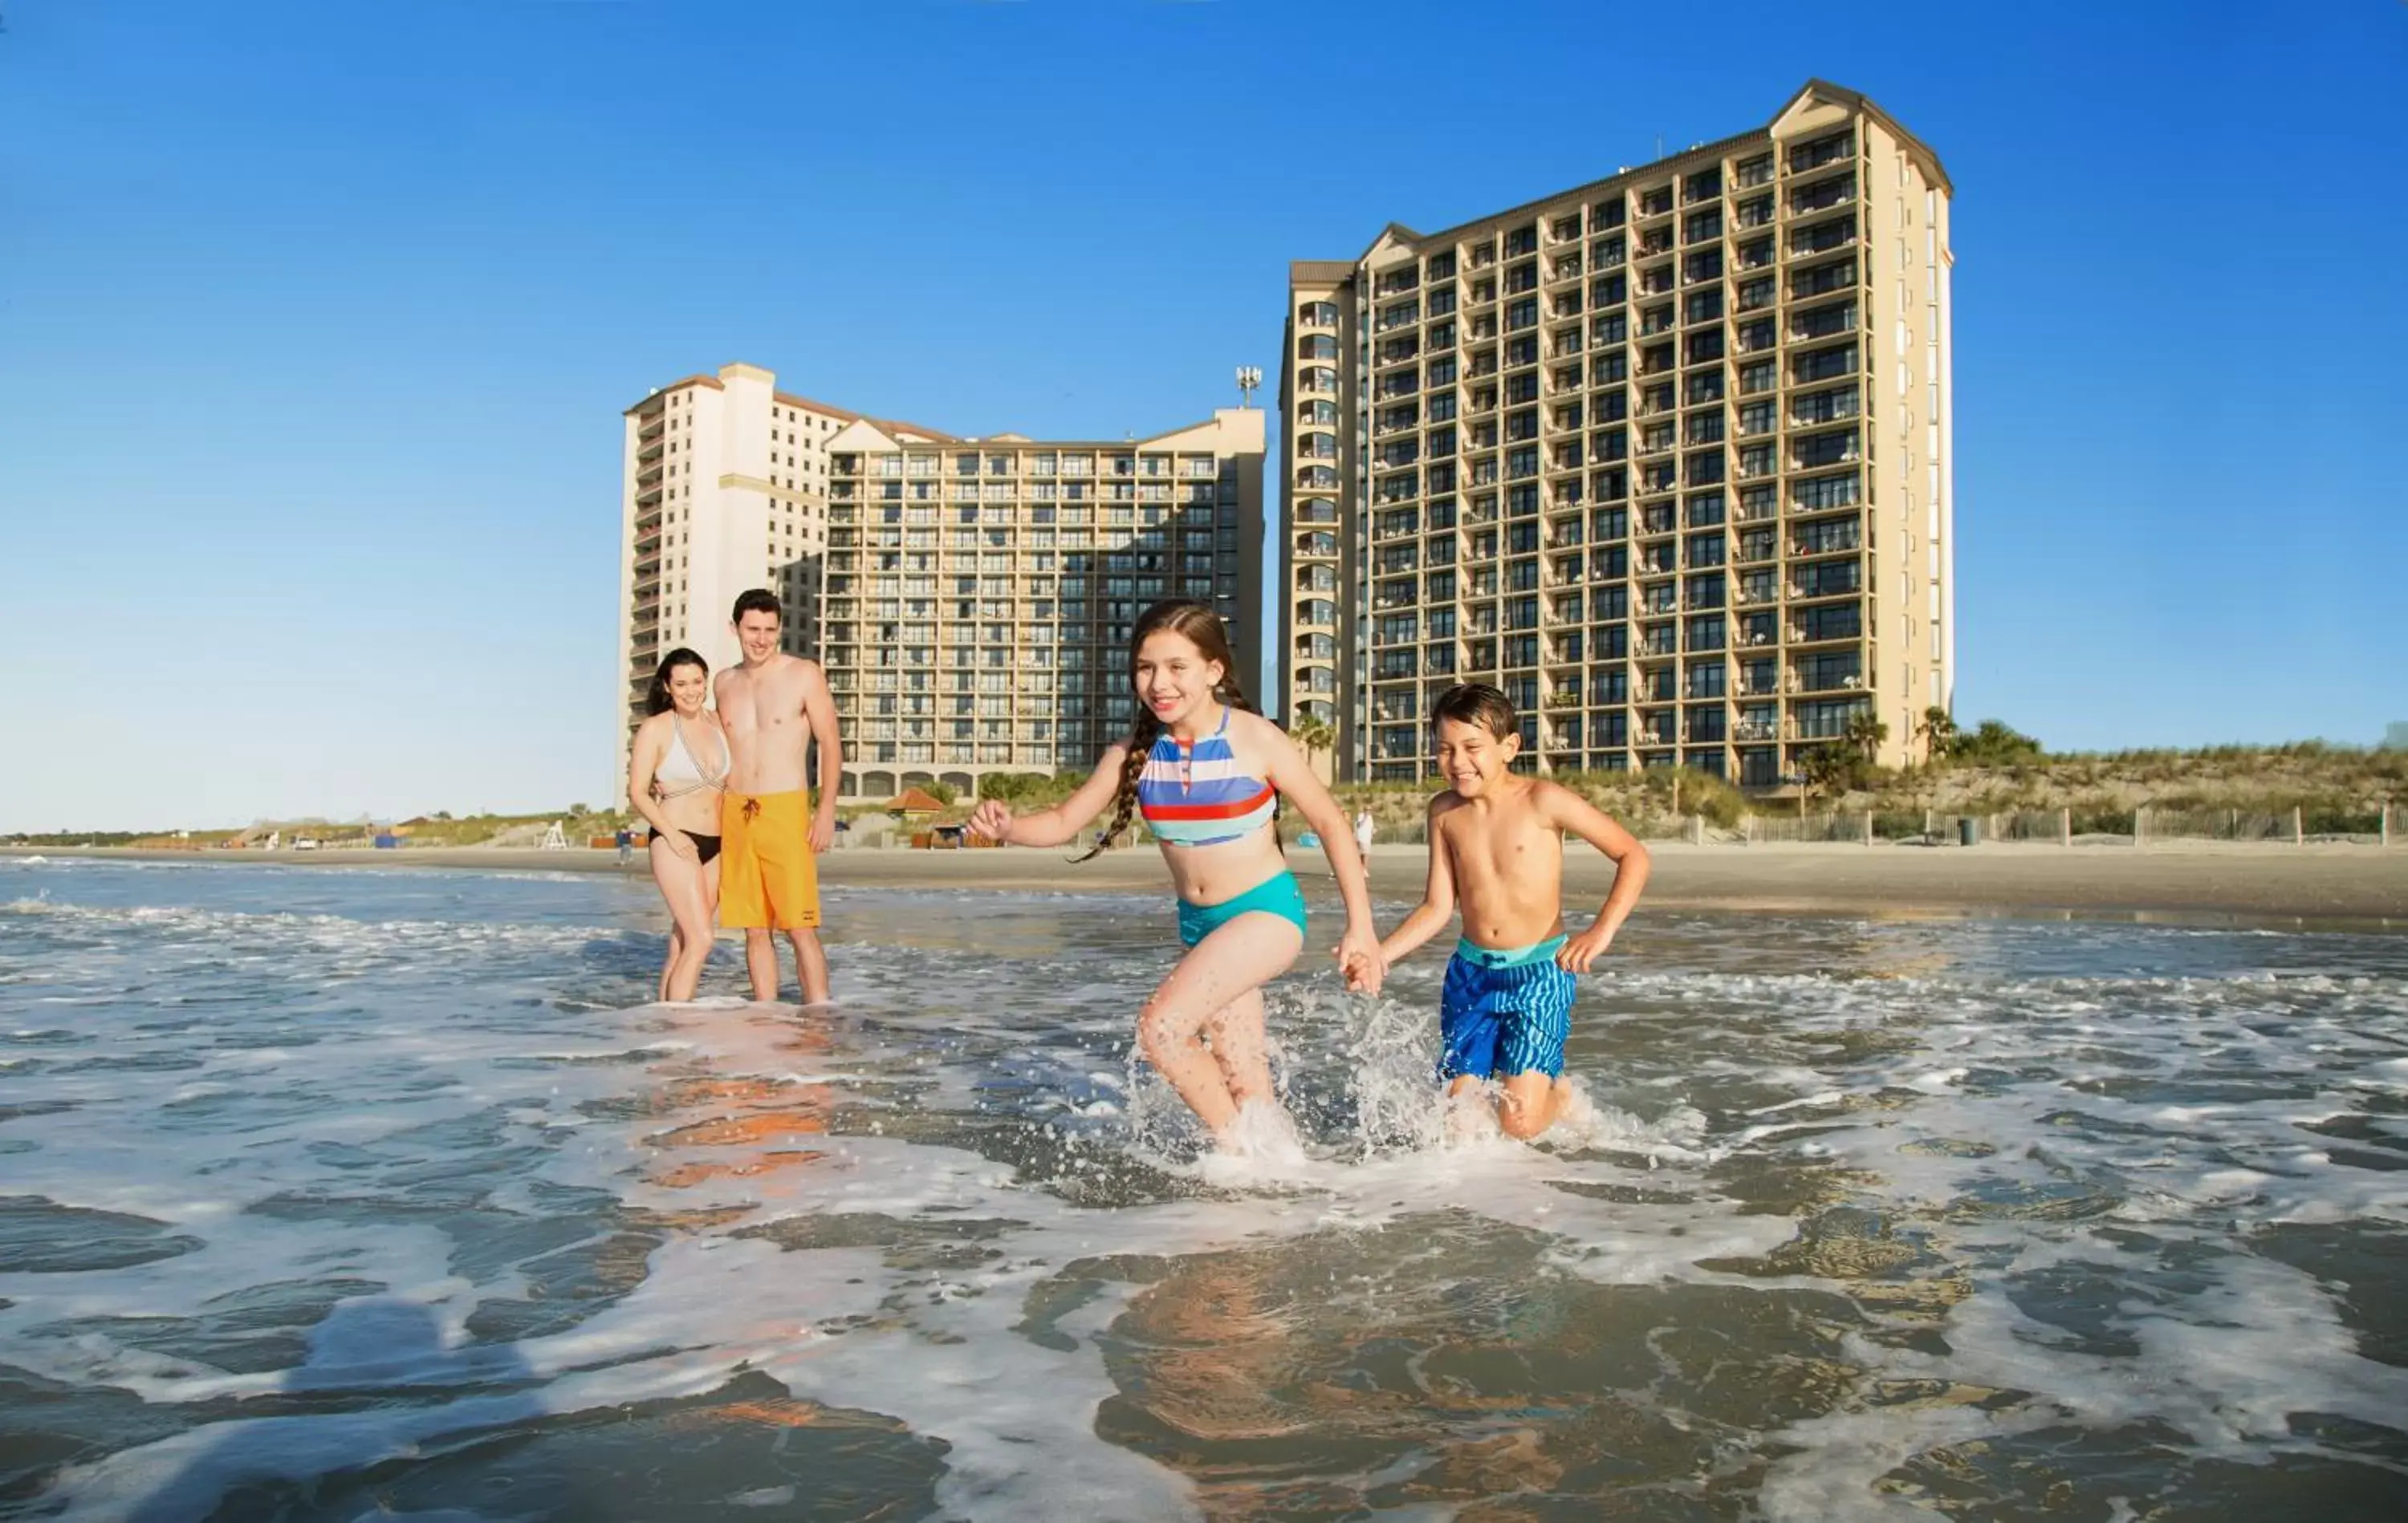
[1198,796]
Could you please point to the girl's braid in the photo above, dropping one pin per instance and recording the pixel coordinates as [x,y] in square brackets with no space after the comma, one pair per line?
[1141,738]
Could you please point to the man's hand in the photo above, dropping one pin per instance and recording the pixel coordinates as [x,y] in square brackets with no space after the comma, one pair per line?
[993,821]
[1575,955]
[823,832]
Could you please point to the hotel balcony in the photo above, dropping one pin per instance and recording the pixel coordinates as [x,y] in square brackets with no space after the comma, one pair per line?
[1795,682]
[1822,196]
[1823,239]
[1808,157]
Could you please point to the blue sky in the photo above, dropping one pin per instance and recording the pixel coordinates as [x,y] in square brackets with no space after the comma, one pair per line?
[319,319]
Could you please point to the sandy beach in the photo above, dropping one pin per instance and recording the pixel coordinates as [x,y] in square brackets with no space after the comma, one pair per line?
[2358,887]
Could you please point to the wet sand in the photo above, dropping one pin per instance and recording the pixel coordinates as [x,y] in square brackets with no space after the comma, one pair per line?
[2359,887]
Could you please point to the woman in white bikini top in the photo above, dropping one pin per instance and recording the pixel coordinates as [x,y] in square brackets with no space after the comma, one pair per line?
[679,774]
[669,784]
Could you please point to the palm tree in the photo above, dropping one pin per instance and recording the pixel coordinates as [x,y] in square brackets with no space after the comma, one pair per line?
[1865,734]
[1936,730]
[1313,736]
[1823,772]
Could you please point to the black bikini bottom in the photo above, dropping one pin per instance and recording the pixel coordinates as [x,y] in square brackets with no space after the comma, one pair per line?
[705,846]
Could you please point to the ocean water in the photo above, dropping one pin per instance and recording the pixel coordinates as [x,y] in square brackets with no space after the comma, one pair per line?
[346,1194]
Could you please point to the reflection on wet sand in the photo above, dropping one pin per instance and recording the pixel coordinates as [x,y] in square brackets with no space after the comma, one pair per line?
[1453,1361]
[706,1102]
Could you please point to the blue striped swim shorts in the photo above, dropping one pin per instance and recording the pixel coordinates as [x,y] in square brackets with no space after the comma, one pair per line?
[1505,1012]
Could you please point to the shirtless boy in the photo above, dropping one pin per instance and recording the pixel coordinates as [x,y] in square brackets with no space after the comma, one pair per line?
[772,705]
[1496,847]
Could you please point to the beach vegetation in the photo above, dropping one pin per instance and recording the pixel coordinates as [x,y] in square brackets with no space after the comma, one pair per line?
[1865,734]
[1313,737]
[1937,732]
[1993,742]
[1829,770]
[1035,789]
[2230,790]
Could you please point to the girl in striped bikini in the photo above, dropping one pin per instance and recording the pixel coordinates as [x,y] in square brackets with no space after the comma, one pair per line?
[1206,772]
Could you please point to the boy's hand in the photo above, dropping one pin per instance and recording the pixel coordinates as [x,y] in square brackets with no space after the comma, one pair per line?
[993,821]
[1359,957]
[1575,955]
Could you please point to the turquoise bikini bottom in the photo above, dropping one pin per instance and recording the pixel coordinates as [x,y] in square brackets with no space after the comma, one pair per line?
[1278,895]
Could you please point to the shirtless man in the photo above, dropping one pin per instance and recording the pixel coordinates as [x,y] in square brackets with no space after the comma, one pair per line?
[771,707]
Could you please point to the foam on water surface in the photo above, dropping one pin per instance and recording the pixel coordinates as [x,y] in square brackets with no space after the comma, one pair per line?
[337,1194]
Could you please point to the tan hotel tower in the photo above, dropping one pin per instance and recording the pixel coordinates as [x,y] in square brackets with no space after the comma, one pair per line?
[970,598]
[1666,457]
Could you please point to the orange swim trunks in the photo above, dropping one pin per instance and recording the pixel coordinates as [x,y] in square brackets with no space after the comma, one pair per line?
[768,875]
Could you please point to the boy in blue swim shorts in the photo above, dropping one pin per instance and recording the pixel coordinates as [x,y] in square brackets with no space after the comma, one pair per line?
[1497,849]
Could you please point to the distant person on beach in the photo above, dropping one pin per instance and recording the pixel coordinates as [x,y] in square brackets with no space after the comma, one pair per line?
[1497,847]
[773,707]
[675,768]
[1206,772]
[1363,829]
[626,841]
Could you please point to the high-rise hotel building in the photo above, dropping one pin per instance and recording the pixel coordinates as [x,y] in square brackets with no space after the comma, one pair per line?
[970,598]
[725,489]
[978,593]
[1666,457]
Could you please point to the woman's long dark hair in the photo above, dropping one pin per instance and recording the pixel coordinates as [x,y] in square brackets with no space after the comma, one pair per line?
[1203,629]
[656,697]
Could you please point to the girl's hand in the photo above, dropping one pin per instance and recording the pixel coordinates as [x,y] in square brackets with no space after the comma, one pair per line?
[993,821]
[1360,959]
[1575,955]
[679,842]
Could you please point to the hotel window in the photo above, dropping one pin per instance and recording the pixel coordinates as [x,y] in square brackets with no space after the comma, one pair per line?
[1826,492]
[1832,621]
[1831,448]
